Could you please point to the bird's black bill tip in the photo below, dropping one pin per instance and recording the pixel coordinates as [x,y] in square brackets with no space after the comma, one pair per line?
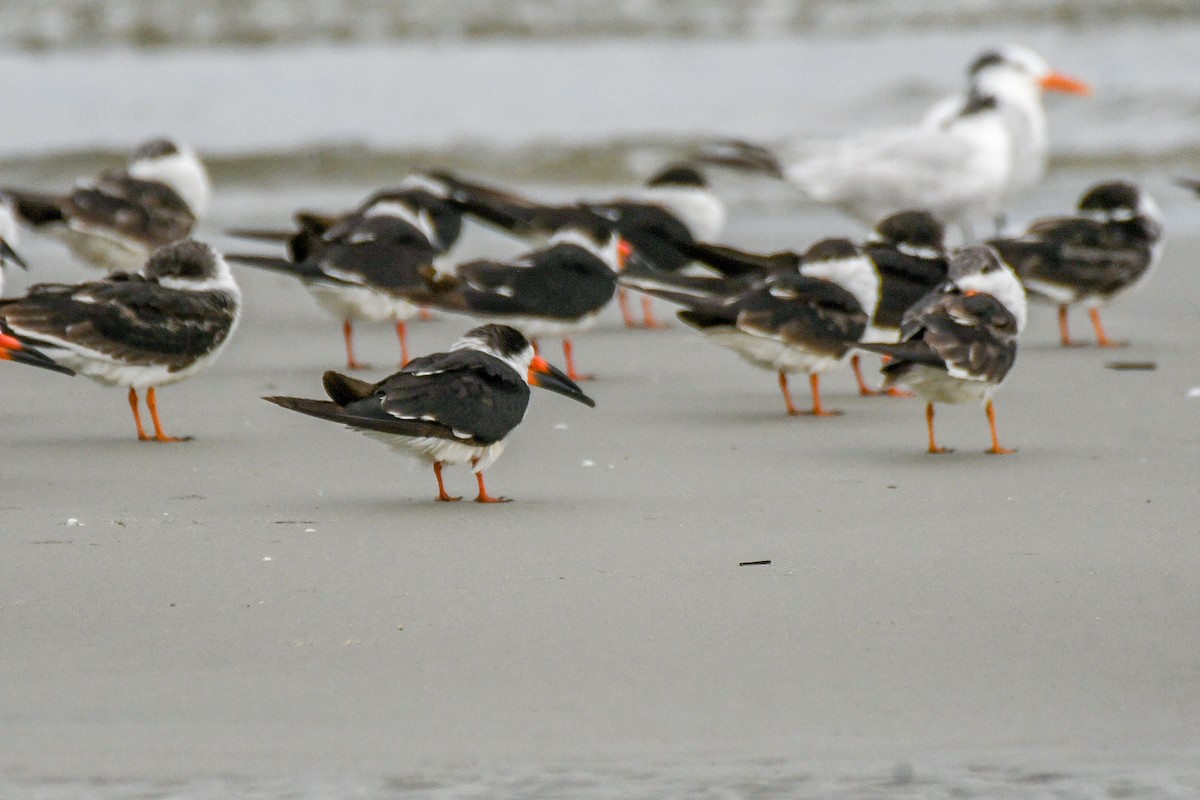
[545,375]
[8,254]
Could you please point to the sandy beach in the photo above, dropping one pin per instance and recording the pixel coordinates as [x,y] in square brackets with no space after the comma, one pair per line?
[281,597]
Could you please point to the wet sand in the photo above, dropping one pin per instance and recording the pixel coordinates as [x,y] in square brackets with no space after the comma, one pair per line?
[283,597]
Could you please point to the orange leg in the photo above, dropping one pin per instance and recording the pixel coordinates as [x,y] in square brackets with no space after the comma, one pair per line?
[623,302]
[443,495]
[996,448]
[348,335]
[787,395]
[569,355]
[1064,331]
[159,435]
[1102,339]
[818,410]
[483,496]
[933,448]
[650,322]
[402,335]
[856,365]
[425,315]
[137,417]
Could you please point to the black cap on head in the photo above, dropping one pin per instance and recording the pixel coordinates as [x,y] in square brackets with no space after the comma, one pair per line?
[976,260]
[832,249]
[990,58]
[503,339]
[916,228]
[154,148]
[678,175]
[1111,196]
[186,258]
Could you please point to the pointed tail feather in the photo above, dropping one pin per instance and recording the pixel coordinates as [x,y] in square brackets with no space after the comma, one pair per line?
[343,389]
[34,208]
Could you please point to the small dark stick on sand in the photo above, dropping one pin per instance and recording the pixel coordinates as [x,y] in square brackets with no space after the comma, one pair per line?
[752,563]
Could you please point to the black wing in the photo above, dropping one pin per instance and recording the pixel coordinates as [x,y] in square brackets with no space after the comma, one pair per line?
[1090,256]
[564,281]
[125,317]
[968,335]
[469,394]
[378,251]
[808,312]
[903,280]
[147,211]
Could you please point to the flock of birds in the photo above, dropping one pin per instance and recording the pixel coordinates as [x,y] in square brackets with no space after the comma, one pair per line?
[945,320]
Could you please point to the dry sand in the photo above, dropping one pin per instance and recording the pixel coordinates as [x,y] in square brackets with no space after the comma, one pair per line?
[282,597]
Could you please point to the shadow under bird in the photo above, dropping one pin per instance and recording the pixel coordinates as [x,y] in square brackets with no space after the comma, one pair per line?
[958,343]
[804,321]
[456,407]
[1105,252]
[141,330]
[115,221]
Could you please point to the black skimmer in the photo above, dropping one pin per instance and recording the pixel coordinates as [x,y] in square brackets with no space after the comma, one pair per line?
[558,290]
[959,163]
[456,407]
[675,209]
[116,220]
[958,343]
[1106,251]
[909,254]
[363,266]
[141,330]
[804,321]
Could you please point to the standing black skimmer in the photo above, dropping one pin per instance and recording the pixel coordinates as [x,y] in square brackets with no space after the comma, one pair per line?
[789,322]
[116,220]
[1105,252]
[909,254]
[447,408]
[141,330]
[363,266]
[959,342]
[675,209]
[960,163]
[558,290]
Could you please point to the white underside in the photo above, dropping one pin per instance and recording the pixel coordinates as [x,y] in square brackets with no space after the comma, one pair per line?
[99,247]
[770,353]
[108,371]
[360,304]
[432,449]
[938,386]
